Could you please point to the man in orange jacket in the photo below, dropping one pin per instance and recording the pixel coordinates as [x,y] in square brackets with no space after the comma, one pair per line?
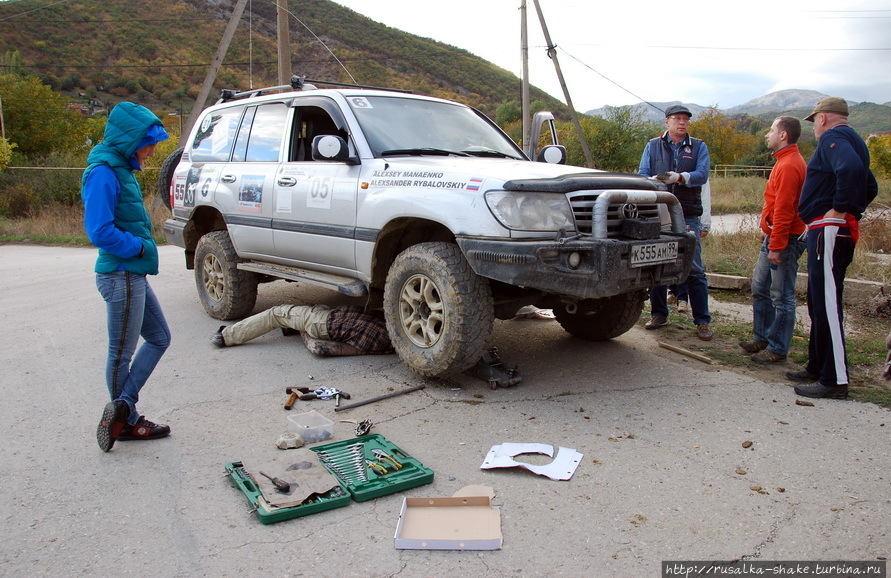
[773,281]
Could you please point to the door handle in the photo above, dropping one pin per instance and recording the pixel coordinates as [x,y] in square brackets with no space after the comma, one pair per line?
[286,181]
[228,178]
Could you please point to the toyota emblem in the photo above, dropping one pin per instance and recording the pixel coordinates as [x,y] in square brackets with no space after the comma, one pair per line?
[630,211]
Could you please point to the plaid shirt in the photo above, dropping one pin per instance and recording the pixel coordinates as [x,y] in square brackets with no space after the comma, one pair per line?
[366,332]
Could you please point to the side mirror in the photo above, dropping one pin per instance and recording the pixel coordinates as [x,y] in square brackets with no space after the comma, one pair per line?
[552,154]
[328,147]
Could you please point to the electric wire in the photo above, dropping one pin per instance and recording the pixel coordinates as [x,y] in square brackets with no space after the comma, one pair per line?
[325,46]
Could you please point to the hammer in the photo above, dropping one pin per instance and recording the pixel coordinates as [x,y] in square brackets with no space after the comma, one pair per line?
[294,393]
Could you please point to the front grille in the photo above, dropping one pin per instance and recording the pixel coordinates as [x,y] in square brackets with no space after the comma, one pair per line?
[583,211]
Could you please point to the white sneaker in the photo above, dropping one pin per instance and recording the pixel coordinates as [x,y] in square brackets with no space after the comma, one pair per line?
[683,307]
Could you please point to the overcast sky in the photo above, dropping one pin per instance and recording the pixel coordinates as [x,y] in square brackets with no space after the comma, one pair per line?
[704,52]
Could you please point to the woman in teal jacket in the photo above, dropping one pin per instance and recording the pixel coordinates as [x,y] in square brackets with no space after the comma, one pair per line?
[118,224]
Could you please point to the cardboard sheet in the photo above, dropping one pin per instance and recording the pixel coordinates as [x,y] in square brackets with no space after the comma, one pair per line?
[301,468]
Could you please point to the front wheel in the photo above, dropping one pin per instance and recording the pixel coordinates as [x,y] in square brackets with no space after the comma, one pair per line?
[226,292]
[439,312]
[602,319]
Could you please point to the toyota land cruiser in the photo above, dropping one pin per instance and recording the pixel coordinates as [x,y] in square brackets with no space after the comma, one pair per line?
[419,205]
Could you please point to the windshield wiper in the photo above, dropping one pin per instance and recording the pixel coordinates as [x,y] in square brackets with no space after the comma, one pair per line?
[423,151]
[481,152]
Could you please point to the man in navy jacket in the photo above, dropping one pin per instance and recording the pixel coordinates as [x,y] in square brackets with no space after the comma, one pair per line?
[837,189]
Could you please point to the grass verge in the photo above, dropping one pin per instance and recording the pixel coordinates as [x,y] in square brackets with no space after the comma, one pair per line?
[732,323]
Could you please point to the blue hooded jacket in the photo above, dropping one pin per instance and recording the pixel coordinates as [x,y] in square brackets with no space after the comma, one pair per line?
[115,218]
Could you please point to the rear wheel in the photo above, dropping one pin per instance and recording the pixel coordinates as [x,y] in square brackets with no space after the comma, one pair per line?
[602,319]
[226,292]
[439,312]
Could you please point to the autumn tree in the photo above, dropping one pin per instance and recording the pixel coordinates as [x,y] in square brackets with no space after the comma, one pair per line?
[726,140]
[880,154]
[38,120]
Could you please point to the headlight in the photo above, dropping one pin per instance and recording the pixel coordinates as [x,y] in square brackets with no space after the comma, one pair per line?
[531,211]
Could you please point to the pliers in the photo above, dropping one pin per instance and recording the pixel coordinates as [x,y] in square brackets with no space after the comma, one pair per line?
[378,468]
[381,456]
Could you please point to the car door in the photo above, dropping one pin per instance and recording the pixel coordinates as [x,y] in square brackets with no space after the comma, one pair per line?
[314,221]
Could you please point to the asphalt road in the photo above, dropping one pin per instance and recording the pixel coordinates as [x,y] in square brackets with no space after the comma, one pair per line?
[664,476]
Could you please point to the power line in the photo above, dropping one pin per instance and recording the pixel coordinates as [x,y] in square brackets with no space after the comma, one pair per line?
[34,10]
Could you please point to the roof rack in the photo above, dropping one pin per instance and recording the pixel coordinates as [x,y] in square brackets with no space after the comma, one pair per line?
[297,83]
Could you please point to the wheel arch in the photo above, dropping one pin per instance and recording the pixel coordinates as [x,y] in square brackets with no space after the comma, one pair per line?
[202,221]
[395,237]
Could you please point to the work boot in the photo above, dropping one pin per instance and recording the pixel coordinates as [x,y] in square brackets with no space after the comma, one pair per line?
[803,376]
[768,356]
[683,307]
[655,322]
[704,333]
[820,391]
[114,418]
[753,346]
[144,430]
[671,298]
[217,338]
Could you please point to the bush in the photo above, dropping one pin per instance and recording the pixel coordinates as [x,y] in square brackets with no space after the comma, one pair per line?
[17,201]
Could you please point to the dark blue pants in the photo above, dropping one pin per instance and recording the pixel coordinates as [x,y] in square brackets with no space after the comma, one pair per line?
[830,249]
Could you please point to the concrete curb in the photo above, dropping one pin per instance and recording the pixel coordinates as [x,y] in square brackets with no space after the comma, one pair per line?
[856,291]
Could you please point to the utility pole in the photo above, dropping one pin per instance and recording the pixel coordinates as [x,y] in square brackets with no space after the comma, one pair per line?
[524,53]
[284,43]
[215,65]
[552,54]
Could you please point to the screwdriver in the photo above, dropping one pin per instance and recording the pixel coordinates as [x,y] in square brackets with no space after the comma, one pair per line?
[280,485]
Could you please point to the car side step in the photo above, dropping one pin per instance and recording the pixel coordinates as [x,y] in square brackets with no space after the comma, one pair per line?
[344,285]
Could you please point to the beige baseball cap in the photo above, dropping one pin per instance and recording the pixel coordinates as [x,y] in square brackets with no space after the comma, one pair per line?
[829,104]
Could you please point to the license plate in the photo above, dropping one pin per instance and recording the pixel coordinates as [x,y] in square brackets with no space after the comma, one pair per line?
[654,253]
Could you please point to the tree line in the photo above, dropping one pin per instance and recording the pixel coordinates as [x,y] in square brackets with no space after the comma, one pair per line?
[43,129]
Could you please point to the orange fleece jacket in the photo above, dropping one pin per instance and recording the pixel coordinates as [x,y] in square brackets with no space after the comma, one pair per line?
[779,217]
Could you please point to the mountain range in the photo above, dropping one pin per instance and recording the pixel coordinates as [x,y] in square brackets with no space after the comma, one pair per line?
[865,116]
[157,53]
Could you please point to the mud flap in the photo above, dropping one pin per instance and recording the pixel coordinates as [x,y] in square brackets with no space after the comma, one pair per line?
[491,369]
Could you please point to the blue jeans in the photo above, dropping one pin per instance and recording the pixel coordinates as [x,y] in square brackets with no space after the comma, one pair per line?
[773,296]
[697,285]
[133,311]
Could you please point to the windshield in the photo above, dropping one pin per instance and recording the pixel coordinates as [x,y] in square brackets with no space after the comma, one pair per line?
[395,126]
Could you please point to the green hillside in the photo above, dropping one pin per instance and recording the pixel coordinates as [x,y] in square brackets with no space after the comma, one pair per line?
[158,52]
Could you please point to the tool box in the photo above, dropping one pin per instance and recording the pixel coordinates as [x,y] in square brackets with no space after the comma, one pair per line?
[366,467]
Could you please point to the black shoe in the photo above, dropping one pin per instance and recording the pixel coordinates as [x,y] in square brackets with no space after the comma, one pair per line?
[217,338]
[753,346]
[143,430]
[804,376]
[114,418]
[820,391]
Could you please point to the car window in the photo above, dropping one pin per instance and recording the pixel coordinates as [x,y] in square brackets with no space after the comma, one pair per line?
[267,131]
[216,135]
[392,123]
[310,122]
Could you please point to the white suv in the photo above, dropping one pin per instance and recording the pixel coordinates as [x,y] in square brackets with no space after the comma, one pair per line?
[422,206]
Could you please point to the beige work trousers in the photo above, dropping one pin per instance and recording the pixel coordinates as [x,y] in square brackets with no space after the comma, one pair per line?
[309,319]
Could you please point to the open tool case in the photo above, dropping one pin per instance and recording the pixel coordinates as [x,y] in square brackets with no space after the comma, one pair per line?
[340,459]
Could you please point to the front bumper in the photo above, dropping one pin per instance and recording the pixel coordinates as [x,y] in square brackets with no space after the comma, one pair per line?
[603,269]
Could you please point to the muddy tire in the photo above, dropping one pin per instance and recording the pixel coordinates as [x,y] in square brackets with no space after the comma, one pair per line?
[165,176]
[439,312]
[602,319]
[225,291]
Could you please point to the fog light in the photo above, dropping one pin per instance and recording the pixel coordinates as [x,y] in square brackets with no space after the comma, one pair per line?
[574,260]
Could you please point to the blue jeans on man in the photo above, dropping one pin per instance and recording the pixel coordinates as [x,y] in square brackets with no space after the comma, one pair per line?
[133,311]
[697,285]
[773,296]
